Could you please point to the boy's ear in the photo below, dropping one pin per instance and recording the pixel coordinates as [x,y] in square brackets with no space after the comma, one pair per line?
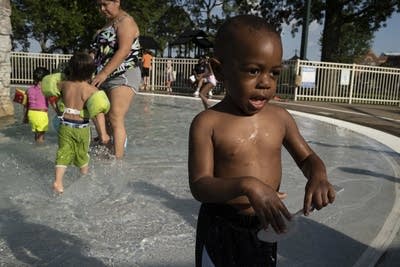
[217,70]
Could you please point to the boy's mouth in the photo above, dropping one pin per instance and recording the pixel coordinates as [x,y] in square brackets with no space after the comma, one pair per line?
[258,102]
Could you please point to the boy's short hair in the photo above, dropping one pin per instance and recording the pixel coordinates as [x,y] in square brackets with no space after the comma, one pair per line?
[229,29]
[81,67]
[39,73]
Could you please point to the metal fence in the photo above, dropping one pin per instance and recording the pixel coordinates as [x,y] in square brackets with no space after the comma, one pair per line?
[299,79]
[23,64]
[347,83]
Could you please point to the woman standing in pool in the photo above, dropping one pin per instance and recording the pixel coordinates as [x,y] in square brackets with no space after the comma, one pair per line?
[115,50]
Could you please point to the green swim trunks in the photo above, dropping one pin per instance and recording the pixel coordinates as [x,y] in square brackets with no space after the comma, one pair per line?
[73,146]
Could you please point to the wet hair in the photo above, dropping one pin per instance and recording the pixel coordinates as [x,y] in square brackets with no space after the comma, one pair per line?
[39,73]
[81,67]
[232,27]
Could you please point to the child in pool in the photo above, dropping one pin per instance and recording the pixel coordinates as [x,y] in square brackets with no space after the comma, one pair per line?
[235,151]
[74,131]
[205,82]
[37,106]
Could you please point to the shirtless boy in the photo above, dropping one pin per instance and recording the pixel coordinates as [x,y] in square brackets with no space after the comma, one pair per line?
[235,151]
[74,132]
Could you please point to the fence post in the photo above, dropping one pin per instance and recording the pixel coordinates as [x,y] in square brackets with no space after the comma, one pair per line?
[152,74]
[353,72]
[297,74]
[57,62]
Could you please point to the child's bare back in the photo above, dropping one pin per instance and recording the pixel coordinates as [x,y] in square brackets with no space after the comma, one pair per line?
[75,94]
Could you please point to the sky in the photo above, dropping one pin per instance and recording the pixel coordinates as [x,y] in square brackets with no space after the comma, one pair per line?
[387,40]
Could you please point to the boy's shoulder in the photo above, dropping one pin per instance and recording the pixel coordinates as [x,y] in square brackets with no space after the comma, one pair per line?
[206,118]
[280,114]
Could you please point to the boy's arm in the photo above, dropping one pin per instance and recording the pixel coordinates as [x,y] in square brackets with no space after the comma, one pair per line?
[53,103]
[318,192]
[100,124]
[25,118]
[205,187]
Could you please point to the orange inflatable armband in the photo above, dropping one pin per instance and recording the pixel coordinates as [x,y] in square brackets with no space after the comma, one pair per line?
[20,96]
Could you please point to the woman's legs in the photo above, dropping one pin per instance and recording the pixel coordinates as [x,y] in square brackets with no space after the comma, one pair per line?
[200,82]
[120,99]
[203,93]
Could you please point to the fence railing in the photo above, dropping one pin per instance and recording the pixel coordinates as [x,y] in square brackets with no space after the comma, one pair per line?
[347,83]
[299,79]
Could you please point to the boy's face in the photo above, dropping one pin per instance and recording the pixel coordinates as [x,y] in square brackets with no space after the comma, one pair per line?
[250,69]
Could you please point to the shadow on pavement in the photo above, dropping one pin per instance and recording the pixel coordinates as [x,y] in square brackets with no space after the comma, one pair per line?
[186,208]
[38,245]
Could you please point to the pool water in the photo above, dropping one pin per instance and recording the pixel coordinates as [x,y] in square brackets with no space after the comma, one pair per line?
[139,211]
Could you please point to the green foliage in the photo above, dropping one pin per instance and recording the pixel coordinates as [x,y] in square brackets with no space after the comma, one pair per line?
[67,25]
[354,41]
[56,24]
[172,23]
[207,15]
[349,26]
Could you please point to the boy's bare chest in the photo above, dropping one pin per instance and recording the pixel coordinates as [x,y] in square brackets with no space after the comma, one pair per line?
[247,140]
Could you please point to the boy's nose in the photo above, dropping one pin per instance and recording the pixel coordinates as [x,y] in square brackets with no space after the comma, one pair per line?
[265,81]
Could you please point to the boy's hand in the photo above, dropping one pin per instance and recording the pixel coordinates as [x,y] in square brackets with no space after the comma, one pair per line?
[319,193]
[268,206]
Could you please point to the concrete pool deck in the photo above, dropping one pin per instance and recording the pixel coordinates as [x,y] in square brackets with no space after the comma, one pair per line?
[139,211]
[382,118]
[381,123]
[385,124]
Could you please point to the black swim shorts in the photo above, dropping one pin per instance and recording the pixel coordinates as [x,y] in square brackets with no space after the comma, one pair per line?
[225,238]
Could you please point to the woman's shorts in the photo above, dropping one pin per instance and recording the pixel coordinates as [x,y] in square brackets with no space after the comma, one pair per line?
[131,78]
[211,79]
[146,72]
[39,120]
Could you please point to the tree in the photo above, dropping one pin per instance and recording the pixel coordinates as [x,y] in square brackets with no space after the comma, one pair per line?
[161,20]
[355,41]
[171,24]
[348,24]
[359,16]
[68,25]
[276,12]
[207,15]
[55,24]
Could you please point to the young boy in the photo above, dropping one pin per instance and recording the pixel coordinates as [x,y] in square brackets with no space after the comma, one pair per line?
[74,133]
[146,61]
[37,106]
[235,151]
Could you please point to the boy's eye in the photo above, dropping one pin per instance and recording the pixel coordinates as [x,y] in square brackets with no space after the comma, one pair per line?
[253,71]
[275,73]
